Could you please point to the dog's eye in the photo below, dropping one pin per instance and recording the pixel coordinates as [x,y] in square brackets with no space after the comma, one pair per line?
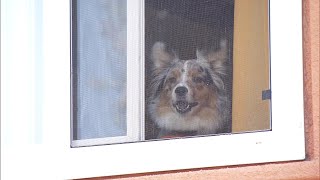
[197,79]
[172,80]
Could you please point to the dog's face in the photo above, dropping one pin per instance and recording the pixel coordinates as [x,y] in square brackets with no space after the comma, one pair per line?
[187,92]
[187,87]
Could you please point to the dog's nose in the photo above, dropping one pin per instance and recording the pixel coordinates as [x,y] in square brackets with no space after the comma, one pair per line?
[181,91]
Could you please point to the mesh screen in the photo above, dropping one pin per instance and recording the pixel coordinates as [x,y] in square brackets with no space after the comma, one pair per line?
[184,26]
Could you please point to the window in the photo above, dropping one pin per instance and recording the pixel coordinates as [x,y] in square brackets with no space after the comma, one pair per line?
[52,126]
[228,40]
[105,75]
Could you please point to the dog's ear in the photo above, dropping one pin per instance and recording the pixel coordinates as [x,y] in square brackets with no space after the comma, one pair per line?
[160,56]
[216,59]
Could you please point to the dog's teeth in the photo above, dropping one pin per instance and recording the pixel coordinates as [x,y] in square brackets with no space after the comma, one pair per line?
[182,108]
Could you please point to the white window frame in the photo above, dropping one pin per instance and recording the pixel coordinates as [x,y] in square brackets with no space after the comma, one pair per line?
[53,157]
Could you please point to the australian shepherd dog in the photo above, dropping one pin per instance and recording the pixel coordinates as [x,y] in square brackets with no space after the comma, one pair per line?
[189,97]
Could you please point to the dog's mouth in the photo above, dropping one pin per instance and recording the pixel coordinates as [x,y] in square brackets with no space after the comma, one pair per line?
[184,106]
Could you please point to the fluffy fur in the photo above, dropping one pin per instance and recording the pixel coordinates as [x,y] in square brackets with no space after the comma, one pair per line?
[189,96]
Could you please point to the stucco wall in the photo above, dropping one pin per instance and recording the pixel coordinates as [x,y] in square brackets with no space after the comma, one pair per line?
[307,169]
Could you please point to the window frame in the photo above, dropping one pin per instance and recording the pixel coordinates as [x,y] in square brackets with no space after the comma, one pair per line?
[284,143]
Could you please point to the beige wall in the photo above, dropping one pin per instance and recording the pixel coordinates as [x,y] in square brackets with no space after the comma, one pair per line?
[250,66]
[307,169]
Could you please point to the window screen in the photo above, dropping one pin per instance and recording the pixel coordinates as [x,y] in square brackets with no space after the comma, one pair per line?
[189,47]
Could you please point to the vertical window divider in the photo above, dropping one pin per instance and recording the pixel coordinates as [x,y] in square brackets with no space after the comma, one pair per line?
[142,69]
[134,93]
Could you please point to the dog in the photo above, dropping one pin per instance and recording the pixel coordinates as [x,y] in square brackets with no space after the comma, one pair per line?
[189,97]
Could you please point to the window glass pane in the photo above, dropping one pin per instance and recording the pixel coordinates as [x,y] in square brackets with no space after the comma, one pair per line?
[206,69]
[99,68]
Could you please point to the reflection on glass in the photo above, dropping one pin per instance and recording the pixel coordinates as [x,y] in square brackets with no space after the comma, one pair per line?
[100,69]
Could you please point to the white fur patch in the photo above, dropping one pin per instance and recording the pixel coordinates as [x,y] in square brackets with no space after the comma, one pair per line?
[174,121]
[184,79]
